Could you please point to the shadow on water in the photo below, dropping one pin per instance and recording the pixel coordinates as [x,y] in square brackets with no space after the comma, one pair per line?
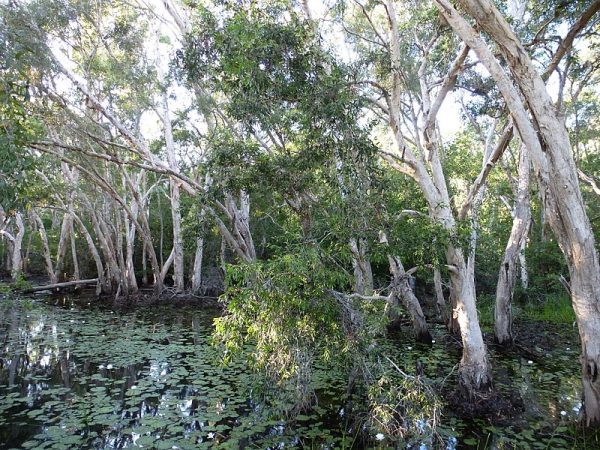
[75,374]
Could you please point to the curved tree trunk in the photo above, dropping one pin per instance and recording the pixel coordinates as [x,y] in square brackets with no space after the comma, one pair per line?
[103,285]
[508,269]
[113,271]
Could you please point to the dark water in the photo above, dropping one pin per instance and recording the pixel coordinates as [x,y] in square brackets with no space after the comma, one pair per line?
[77,374]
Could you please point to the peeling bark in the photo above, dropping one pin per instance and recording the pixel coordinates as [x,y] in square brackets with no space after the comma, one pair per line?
[363,276]
[403,291]
[508,269]
[17,256]
[197,275]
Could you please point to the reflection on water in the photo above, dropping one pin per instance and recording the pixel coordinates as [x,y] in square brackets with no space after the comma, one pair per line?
[73,375]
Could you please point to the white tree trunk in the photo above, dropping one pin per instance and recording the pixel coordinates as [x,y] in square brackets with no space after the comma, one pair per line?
[45,247]
[238,235]
[76,274]
[17,256]
[197,275]
[144,266]
[178,268]
[120,235]
[62,245]
[474,371]
[103,284]
[113,271]
[130,230]
[514,248]
[550,153]
[523,265]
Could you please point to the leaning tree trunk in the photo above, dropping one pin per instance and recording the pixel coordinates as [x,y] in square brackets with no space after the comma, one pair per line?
[508,269]
[113,271]
[403,291]
[130,230]
[76,273]
[550,152]
[238,235]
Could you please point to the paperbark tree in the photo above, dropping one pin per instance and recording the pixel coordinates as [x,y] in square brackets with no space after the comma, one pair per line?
[507,276]
[178,269]
[17,242]
[45,246]
[550,151]
[426,169]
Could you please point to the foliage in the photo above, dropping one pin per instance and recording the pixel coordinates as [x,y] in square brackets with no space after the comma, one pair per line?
[404,408]
[17,130]
[555,308]
[284,307]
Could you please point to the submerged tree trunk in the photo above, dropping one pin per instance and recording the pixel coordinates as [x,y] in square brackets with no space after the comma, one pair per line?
[403,291]
[508,269]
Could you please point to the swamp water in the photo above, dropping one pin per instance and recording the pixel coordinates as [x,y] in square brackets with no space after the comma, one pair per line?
[77,374]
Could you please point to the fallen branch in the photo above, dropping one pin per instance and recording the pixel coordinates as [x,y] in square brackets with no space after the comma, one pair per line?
[50,287]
